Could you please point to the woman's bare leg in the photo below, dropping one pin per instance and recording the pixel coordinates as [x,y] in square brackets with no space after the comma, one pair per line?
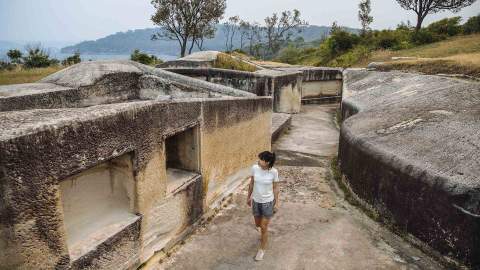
[264,238]
[258,221]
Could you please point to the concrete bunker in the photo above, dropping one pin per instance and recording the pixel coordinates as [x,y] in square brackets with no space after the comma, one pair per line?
[109,162]
[288,86]
[97,204]
[182,158]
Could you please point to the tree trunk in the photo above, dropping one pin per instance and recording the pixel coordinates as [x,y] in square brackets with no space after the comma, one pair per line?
[419,22]
[183,47]
[191,46]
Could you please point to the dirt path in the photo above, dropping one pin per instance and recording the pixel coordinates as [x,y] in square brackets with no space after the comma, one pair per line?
[314,228]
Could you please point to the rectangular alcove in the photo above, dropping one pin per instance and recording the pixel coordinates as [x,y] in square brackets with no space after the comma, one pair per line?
[182,159]
[97,204]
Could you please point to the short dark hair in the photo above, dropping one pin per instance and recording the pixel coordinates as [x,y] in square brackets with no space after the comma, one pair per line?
[267,157]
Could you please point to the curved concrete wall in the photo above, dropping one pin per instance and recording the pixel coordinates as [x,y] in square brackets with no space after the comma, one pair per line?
[409,147]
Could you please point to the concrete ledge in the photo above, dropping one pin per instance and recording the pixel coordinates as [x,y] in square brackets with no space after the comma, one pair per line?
[285,86]
[409,147]
[243,80]
[105,82]
[280,123]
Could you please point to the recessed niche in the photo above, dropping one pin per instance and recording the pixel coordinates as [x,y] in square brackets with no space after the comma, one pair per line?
[97,204]
[182,159]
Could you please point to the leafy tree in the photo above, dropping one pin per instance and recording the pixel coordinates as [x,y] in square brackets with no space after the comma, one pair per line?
[230,28]
[72,60]
[37,57]
[364,15]
[15,56]
[208,33]
[472,25]
[254,38]
[244,28]
[280,29]
[446,27]
[424,7]
[334,28]
[186,20]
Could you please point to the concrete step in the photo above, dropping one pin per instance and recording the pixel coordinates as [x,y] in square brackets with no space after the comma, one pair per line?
[280,122]
[322,100]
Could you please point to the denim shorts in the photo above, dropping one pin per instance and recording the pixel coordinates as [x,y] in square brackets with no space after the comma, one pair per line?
[262,209]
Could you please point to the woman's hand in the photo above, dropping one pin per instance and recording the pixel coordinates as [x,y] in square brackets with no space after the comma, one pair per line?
[275,207]
[249,202]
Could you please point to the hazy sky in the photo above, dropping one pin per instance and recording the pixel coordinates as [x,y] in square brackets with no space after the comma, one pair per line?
[76,20]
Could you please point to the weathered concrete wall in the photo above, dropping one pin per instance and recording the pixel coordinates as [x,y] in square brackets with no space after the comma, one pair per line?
[246,81]
[239,121]
[62,167]
[105,82]
[97,202]
[319,89]
[49,146]
[319,82]
[284,86]
[409,148]
[202,59]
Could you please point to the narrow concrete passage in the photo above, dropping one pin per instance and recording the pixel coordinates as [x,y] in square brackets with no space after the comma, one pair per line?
[315,227]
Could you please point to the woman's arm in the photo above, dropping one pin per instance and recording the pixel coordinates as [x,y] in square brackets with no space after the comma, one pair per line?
[250,190]
[276,192]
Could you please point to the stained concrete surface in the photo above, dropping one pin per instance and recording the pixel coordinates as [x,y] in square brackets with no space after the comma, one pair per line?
[315,227]
[409,148]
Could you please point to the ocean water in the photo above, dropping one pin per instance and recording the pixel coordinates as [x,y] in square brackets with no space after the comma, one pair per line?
[95,57]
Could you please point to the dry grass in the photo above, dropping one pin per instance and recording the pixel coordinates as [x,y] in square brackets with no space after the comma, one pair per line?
[226,61]
[454,46]
[466,64]
[26,75]
[458,55]
[271,64]
[258,62]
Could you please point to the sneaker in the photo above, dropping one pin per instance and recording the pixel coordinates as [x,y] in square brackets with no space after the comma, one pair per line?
[260,254]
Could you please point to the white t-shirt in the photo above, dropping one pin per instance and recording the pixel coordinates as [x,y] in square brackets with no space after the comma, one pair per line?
[263,184]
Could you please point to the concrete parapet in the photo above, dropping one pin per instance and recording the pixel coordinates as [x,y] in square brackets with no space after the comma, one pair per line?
[104,82]
[284,86]
[409,147]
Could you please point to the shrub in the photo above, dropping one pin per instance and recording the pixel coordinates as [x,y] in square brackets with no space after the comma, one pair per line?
[390,39]
[338,43]
[240,51]
[386,39]
[15,56]
[290,55]
[72,60]
[423,36]
[342,41]
[144,58]
[352,57]
[37,57]
[447,27]
[6,66]
[472,25]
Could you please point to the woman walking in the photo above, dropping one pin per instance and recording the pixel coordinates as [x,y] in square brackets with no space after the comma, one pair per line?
[263,196]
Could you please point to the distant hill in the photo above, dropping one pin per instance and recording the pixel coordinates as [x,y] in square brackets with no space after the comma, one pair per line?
[126,42]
